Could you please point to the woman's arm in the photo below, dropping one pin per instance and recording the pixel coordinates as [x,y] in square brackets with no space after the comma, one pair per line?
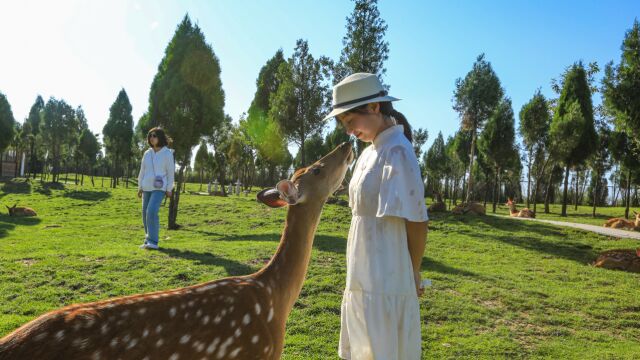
[416,241]
[141,173]
[171,168]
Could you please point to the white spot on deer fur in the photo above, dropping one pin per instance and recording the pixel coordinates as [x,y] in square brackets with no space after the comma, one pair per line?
[125,313]
[186,316]
[89,323]
[145,332]
[159,342]
[158,329]
[258,309]
[269,290]
[223,347]
[212,347]
[146,358]
[104,328]
[76,326]
[114,342]
[60,335]
[246,319]
[200,347]
[234,353]
[237,333]
[223,312]
[260,283]
[199,313]
[230,310]
[233,323]
[97,355]
[205,301]
[254,339]
[205,320]
[183,306]
[191,303]
[266,348]
[132,343]
[185,338]
[270,314]
[217,319]
[141,311]
[41,336]
[172,311]
[174,356]
[207,287]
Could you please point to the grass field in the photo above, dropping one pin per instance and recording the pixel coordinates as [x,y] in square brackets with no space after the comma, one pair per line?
[501,288]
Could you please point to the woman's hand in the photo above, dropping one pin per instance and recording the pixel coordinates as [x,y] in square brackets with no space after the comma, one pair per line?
[168,193]
[418,279]
[139,193]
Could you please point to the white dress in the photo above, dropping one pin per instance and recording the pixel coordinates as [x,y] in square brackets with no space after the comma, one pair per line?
[380,315]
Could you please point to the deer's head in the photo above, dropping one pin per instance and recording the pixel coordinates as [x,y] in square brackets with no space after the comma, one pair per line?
[509,202]
[313,184]
[11,209]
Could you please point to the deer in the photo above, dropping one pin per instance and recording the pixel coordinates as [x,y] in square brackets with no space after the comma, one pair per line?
[240,317]
[620,223]
[439,205]
[619,259]
[20,211]
[524,213]
[471,208]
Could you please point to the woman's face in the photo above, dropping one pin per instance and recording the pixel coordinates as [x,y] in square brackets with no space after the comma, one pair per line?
[364,126]
[153,139]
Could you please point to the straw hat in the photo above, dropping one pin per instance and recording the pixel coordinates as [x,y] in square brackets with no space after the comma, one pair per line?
[355,90]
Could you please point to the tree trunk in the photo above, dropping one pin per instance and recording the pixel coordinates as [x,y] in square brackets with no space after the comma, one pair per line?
[529,180]
[495,189]
[564,196]
[471,157]
[576,191]
[626,210]
[595,194]
[174,200]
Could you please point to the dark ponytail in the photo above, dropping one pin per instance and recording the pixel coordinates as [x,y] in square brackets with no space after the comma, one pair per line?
[386,109]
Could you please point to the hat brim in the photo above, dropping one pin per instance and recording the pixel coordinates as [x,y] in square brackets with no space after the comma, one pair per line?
[337,111]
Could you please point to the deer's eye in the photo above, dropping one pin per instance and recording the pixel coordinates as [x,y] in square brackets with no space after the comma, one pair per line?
[315,171]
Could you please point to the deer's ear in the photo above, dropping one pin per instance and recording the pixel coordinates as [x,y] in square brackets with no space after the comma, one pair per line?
[271,198]
[634,212]
[288,191]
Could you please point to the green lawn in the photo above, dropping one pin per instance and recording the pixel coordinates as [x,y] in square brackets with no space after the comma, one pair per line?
[501,288]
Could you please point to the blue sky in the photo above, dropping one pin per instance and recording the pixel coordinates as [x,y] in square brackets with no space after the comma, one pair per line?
[86,51]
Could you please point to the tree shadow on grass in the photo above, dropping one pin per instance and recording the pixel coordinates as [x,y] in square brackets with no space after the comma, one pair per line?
[8,223]
[232,267]
[46,187]
[87,195]
[429,264]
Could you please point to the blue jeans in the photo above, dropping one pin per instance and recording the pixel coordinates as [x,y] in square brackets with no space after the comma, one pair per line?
[151,201]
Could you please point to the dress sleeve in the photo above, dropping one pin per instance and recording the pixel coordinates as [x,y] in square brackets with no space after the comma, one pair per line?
[401,188]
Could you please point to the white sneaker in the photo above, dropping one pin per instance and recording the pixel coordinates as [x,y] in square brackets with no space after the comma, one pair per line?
[151,246]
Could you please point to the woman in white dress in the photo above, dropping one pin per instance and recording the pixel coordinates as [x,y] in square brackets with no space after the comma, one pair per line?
[380,315]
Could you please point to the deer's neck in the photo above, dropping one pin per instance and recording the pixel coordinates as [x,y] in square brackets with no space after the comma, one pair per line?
[512,209]
[286,271]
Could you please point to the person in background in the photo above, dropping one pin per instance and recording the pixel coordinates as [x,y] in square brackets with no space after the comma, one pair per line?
[155,181]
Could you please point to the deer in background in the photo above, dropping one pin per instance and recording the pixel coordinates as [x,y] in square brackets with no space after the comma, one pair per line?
[513,212]
[439,205]
[472,208]
[20,211]
[620,223]
[240,317]
[619,259]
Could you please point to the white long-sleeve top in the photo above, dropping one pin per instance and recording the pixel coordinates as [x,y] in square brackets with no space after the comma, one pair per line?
[156,163]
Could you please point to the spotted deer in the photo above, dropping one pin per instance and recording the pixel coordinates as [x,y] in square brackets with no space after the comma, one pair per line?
[438,205]
[471,208]
[619,259]
[513,212]
[240,317]
[620,223]
[20,211]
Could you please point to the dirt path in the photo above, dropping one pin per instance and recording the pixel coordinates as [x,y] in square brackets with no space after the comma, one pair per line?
[593,228]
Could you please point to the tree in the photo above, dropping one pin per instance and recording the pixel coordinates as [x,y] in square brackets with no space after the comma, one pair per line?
[302,98]
[420,137]
[7,122]
[262,130]
[497,142]
[202,157]
[534,129]
[475,99]
[88,148]
[186,98]
[600,163]
[57,127]
[118,133]
[572,130]
[364,48]
[435,163]
[621,84]
[314,150]
[35,122]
